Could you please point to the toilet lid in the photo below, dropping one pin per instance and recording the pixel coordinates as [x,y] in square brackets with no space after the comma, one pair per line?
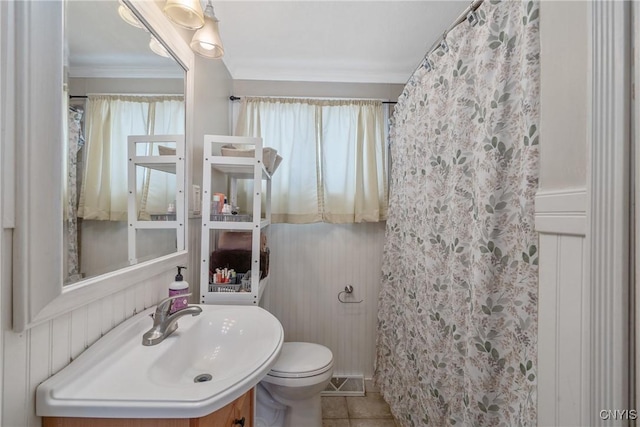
[302,359]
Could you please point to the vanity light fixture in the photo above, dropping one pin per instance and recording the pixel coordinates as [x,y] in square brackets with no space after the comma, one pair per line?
[185,13]
[206,41]
[128,16]
[158,48]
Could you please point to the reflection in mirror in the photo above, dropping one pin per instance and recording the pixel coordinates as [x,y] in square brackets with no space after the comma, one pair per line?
[155,188]
[116,87]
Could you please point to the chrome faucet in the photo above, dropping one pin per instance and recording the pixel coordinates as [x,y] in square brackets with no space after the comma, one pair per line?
[164,322]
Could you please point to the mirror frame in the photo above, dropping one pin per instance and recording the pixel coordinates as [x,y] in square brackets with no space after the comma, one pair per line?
[38,291]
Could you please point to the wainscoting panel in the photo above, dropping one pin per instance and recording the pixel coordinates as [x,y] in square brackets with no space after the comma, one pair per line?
[563,328]
[310,264]
[32,356]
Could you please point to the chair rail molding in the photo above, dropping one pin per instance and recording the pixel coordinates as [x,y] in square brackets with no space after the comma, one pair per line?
[562,211]
[608,187]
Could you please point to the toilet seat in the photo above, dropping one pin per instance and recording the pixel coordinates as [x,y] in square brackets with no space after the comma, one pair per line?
[302,360]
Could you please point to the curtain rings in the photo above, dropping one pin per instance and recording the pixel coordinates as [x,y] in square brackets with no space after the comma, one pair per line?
[443,44]
[427,64]
[472,16]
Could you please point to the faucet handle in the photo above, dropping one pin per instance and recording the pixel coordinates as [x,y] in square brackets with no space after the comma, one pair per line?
[164,306]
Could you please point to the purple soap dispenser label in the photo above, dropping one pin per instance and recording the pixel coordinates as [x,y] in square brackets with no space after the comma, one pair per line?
[178,303]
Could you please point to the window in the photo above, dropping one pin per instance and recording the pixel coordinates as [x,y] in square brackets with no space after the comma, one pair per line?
[334,157]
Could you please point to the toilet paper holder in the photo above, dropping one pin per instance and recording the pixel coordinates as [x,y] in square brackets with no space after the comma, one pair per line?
[347,290]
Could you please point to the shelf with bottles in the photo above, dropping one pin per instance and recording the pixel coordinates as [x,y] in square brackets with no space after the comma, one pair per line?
[223,172]
[234,293]
[160,160]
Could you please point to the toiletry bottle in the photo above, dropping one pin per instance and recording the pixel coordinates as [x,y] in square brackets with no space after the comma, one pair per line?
[216,205]
[178,287]
[226,208]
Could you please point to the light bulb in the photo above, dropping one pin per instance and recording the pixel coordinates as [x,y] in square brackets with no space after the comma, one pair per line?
[206,41]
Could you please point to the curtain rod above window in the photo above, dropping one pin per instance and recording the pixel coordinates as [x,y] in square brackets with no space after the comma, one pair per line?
[125,94]
[237,98]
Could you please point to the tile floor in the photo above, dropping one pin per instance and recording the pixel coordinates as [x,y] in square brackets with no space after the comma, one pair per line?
[355,411]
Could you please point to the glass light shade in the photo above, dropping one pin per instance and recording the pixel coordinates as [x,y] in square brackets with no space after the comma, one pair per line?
[186,13]
[206,41]
[158,48]
[128,16]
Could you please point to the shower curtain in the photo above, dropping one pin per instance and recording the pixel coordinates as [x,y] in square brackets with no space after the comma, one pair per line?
[457,322]
[75,142]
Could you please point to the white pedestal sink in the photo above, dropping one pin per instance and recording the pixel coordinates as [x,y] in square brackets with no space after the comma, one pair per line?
[118,377]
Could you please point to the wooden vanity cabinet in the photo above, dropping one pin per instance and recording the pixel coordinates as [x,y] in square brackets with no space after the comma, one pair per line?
[238,413]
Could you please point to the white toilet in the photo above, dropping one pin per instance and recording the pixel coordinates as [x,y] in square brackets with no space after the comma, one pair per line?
[289,396]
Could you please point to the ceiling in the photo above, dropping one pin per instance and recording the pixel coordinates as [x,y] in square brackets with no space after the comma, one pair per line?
[336,41]
[101,44]
[304,40]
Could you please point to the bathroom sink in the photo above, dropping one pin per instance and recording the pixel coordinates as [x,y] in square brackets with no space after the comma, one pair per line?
[209,361]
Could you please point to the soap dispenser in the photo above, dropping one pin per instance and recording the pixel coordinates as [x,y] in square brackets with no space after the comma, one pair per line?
[178,287]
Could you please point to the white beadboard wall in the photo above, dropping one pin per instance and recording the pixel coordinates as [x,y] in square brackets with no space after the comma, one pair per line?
[563,309]
[36,354]
[309,265]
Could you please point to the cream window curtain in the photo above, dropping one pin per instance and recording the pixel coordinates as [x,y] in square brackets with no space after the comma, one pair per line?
[110,119]
[334,167]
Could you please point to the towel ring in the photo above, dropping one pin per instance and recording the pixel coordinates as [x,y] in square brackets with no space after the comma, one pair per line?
[348,290]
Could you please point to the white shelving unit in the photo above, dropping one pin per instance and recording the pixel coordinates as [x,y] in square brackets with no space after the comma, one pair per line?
[234,168]
[172,164]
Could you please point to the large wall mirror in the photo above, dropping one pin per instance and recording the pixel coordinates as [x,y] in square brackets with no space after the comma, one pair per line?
[120,81]
[79,85]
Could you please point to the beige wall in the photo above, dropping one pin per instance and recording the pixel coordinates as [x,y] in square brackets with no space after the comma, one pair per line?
[82,86]
[213,87]
[563,94]
[317,89]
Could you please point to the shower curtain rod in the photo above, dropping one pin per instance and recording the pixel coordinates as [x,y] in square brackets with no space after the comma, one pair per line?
[237,98]
[475,4]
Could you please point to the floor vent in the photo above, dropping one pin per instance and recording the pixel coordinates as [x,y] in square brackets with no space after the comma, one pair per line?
[345,386]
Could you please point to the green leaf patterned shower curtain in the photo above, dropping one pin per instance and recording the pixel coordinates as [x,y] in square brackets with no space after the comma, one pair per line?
[457,322]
